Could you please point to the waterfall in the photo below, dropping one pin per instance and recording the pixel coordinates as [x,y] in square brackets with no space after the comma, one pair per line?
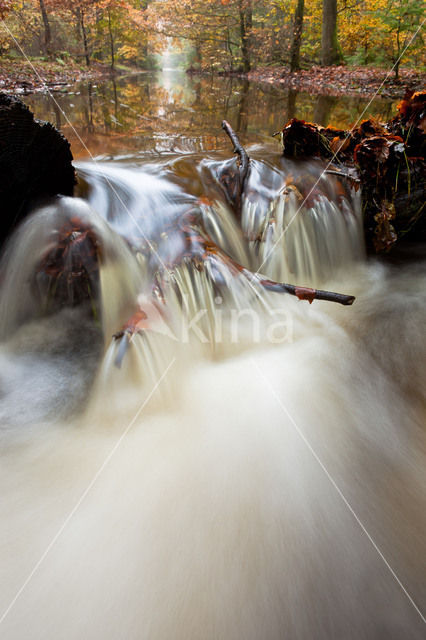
[247,465]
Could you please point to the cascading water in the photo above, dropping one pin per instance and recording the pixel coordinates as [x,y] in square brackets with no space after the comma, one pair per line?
[249,465]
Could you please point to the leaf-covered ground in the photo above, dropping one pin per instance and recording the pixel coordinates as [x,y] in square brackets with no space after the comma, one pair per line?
[20,76]
[350,81]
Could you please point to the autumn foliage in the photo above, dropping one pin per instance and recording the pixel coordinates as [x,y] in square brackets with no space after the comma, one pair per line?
[108,31]
[216,35]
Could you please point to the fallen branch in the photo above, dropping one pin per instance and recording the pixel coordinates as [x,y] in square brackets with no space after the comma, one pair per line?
[306,293]
[239,149]
[233,183]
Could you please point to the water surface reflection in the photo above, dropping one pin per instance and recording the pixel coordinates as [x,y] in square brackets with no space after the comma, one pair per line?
[171,111]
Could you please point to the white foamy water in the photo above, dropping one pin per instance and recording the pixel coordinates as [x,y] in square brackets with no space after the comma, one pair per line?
[221,489]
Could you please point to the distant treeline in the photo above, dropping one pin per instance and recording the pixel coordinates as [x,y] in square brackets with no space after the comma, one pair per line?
[218,35]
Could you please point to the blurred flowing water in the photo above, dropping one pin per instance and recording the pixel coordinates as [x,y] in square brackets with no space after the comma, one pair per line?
[256,473]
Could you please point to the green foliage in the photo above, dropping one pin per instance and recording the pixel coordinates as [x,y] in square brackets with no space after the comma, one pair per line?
[402,20]
[367,56]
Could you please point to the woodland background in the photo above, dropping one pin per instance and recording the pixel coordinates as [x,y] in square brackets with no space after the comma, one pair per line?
[225,36]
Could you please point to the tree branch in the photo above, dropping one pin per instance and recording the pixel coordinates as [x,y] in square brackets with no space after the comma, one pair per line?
[238,149]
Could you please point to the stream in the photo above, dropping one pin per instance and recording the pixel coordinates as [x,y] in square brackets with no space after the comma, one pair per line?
[248,465]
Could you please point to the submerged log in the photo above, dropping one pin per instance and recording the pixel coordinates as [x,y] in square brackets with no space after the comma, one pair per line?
[35,163]
[386,160]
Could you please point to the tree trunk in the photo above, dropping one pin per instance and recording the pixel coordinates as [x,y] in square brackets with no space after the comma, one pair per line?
[323,107]
[77,16]
[111,39]
[47,32]
[35,163]
[83,31]
[396,70]
[246,20]
[198,55]
[329,45]
[291,103]
[229,50]
[398,51]
[297,36]
[243,107]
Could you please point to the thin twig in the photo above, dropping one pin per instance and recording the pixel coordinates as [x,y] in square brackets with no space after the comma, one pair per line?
[341,174]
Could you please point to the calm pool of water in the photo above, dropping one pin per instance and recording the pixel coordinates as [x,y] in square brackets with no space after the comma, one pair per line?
[171,111]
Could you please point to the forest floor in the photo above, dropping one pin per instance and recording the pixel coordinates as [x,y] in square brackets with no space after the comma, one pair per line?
[349,81]
[21,76]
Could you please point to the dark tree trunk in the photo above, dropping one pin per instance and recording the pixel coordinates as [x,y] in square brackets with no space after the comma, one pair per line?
[246,22]
[89,110]
[329,45]
[323,106]
[84,34]
[291,103]
[77,16]
[243,108]
[47,32]
[198,55]
[297,36]
[35,162]
[111,39]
